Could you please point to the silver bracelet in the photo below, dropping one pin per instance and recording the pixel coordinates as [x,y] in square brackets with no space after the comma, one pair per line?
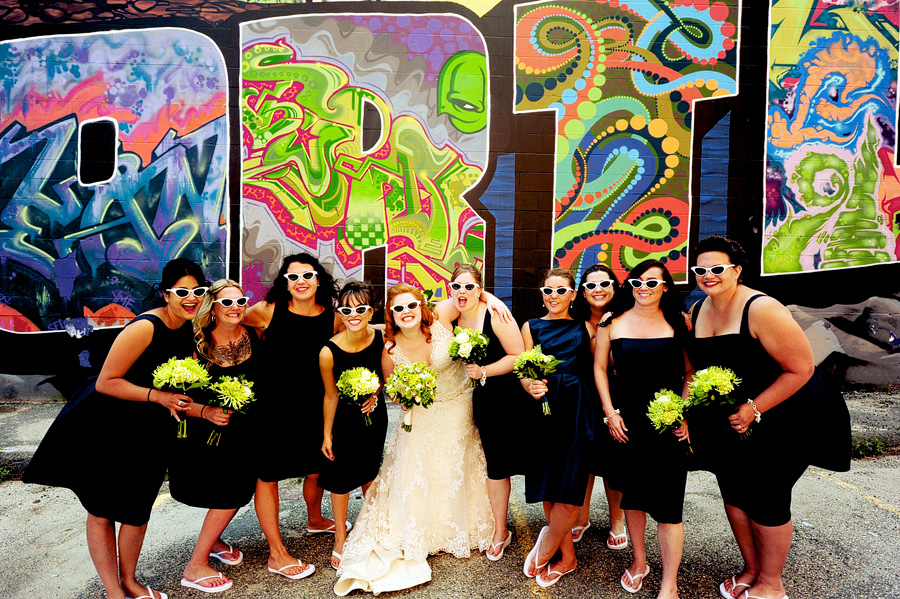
[606,418]
[758,416]
[483,377]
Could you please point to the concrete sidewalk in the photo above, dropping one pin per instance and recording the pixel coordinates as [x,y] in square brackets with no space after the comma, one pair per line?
[847,528]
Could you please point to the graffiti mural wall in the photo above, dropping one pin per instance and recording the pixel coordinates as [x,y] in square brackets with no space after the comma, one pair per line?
[832,196]
[396,140]
[312,182]
[623,79]
[88,251]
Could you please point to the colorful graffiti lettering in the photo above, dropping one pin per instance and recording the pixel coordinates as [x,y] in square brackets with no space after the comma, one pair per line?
[309,182]
[622,78]
[69,250]
[832,193]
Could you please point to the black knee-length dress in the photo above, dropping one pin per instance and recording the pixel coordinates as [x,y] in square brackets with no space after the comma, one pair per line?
[500,410]
[650,468]
[560,452]
[289,423]
[219,476]
[810,427]
[357,447]
[112,452]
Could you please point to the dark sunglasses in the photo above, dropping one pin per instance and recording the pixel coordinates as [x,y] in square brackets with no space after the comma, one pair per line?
[467,286]
[718,269]
[347,311]
[557,290]
[183,292]
[399,308]
[228,301]
[293,277]
[604,284]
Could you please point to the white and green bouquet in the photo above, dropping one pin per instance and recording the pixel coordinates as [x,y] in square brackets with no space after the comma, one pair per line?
[180,375]
[410,385]
[468,346]
[357,385]
[232,393]
[535,365]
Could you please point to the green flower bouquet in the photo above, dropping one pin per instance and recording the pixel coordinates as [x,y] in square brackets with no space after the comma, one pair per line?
[357,385]
[714,386]
[535,365]
[232,393]
[410,385]
[180,375]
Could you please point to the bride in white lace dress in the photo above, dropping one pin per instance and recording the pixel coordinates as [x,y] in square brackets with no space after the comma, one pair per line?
[430,495]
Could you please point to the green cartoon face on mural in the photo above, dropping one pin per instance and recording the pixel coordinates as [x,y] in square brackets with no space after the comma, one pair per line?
[462,91]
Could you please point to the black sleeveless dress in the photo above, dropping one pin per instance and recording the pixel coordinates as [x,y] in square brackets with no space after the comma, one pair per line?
[235,457]
[560,445]
[810,427]
[289,423]
[650,468]
[112,452]
[499,410]
[357,447]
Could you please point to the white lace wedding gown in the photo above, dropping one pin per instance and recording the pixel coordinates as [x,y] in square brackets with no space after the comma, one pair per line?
[430,494]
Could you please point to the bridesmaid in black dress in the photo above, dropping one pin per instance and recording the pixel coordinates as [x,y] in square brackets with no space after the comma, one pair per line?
[593,304]
[560,456]
[647,335]
[498,401]
[755,335]
[353,448]
[227,348]
[298,317]
[105,444]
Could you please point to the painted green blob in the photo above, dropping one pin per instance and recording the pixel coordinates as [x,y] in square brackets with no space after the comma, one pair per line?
[462,91]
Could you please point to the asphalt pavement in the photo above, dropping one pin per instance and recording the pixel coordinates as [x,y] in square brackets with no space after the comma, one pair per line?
[846,534]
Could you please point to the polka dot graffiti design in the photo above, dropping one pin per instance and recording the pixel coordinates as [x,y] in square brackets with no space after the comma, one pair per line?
[622,78]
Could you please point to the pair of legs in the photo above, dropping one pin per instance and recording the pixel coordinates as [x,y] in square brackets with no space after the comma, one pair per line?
[116,565]
[498,493]
[208,541]
[764,549]
[671,545]
[616,515]
[339,505]
[561,517]
[266,503]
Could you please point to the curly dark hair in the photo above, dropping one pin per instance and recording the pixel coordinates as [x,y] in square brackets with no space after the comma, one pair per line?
[671,303]
[326,294]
